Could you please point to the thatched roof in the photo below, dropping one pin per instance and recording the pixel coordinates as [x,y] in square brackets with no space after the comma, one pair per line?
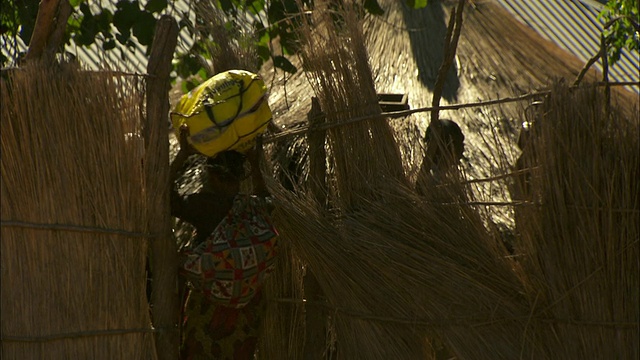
[497,57]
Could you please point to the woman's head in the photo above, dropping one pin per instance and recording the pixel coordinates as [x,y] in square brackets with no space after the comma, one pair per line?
[226,169]
[453,140]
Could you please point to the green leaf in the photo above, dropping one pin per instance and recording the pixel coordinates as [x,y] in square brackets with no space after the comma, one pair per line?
[73,24]
[228,7]
[261,31]
[373,7]
[144,28]
[109,44]
[127,13]
[103,21]
[26,18]
[417,4]
[622,32]
[155,6]
[87,31]
[187,65]
[289,42]
[276,12]
[263,51]
[284,64]
[291,6]
[123,38]
[188,85]
[84,8]
[256,6]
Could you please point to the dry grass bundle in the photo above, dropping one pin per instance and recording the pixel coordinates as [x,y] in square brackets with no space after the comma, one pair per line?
[283,330]
[73,246]
[404,269]
[337,66]
[229,48]
[580,233]
[394,268]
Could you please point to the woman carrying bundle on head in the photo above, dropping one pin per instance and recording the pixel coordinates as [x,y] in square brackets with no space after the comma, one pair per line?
[233,249]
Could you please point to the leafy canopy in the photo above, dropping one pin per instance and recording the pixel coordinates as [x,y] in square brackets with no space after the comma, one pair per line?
[623,29]
[116,30]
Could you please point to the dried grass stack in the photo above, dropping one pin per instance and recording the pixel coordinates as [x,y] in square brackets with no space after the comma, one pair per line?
[229,48]
[395,269]
[73,286]
[404,270]
[580,233]
[338,69]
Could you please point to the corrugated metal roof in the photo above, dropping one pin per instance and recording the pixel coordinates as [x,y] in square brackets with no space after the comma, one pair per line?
[571,24]
[574,26]
[122,58]
[131,59]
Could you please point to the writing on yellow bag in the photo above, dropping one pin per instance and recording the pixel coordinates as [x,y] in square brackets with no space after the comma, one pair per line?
[226,112]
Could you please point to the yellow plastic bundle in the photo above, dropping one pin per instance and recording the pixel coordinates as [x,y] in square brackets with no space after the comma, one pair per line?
[226,112]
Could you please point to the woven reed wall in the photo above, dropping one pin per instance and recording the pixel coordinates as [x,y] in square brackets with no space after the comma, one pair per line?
[73,246]
[579,227]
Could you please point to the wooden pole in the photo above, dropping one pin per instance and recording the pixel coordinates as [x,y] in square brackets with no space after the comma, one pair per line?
[165,301]
[49,28]
[317,153]
[315,343]
[450,47]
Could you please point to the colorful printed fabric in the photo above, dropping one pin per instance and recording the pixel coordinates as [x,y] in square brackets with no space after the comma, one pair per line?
[232,264]
[214,331]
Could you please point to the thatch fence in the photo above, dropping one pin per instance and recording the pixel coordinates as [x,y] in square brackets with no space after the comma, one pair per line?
[85,211]
[579,225]
[74,217]
[397,275]
[406,273]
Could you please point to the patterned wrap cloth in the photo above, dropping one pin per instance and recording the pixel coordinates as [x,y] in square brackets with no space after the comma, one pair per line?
[213,331]
[225,306]
[232,264]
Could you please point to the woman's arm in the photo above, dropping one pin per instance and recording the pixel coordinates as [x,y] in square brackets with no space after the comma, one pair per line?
[183,154]
[186,150]
[253,156]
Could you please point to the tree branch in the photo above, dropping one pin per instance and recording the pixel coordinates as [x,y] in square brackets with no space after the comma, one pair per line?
[451,44]
[49,29]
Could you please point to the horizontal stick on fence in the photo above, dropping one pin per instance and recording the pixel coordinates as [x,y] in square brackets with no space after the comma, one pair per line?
[396,114]
[76,228]
[487,203]
[302,127]
[441,323]
[530,203]
[122,73]
[498,177]
[618,83]
[75,335]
